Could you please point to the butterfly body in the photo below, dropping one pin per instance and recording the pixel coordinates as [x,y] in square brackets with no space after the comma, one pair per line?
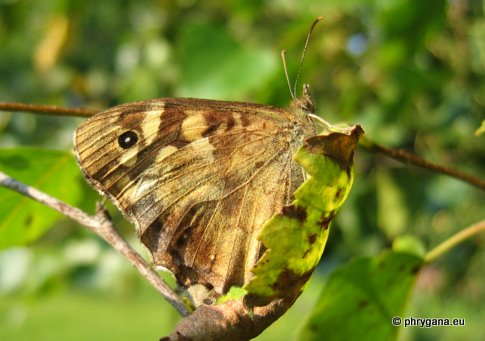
[197,177]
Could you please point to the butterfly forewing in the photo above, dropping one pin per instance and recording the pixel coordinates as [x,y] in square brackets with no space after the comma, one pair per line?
[197,177]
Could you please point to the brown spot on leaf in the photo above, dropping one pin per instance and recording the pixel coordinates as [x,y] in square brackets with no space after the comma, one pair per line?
[338,195]
[325,221]
[312,238]
[296,212]
[259,164]
[337,145]
[289,282]
[288,285]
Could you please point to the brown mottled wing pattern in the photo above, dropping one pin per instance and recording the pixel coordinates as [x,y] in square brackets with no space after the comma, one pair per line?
[199,180]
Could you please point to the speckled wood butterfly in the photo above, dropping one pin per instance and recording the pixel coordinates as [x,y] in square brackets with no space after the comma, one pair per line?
[197,177]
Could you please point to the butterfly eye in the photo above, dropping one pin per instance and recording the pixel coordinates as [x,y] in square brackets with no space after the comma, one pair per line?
[128,139]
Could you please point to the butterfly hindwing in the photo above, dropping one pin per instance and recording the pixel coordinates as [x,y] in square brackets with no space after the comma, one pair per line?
[197,177]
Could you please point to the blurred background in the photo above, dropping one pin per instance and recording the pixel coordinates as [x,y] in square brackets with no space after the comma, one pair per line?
[411,73]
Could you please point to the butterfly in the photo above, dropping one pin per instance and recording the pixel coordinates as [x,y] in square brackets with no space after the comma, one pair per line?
[198,178]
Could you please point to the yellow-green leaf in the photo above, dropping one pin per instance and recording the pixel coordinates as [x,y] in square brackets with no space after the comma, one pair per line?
[296,237]
[235,293]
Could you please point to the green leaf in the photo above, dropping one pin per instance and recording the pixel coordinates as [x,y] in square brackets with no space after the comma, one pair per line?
[23,220]
[409,244]
[392,211]
[296,237]
[234,293]
[214,65]
[361,298]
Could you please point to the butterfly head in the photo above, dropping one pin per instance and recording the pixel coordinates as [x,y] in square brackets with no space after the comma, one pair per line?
[306,102]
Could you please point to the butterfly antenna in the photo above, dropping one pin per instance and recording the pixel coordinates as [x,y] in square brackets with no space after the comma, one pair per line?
[283,57]
[305,48]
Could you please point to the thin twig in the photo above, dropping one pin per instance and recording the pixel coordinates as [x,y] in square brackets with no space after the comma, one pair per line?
[410,158]
[457,238]
[47,109]
[104,228]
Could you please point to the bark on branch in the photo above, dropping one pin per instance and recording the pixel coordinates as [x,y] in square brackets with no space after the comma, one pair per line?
[231,320]
[410,158]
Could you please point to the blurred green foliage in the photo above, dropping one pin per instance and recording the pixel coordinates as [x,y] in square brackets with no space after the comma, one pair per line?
[411,73]
[392,273]
[25,220]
